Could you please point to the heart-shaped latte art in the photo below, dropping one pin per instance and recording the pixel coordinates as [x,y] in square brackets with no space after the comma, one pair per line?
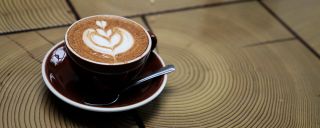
[111,42]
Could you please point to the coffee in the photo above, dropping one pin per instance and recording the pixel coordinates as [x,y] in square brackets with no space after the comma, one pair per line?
[108,39]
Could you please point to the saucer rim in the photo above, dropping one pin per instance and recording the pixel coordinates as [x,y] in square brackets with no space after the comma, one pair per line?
[93,108]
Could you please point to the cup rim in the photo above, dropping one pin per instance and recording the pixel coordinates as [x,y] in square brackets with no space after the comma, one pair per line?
[103,63]
[93,108]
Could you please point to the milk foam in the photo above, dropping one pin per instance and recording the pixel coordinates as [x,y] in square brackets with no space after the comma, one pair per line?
[110,42]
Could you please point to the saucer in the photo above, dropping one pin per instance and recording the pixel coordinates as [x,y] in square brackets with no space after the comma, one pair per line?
[62,81]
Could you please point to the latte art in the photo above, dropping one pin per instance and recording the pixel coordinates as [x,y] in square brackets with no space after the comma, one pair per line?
[107,39]
[110,42]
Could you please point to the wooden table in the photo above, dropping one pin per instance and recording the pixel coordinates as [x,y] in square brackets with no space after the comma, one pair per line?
[248,63]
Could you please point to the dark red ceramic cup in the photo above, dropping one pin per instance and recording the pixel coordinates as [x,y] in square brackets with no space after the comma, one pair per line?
[107,78]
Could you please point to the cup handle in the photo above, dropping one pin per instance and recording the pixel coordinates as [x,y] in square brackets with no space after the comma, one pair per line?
[153,40]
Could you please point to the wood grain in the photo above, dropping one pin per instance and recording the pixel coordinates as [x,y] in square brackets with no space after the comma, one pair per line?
[31,42]
[19,15]
[236,67]
[125,8]
[24,99]
[54,35]
[301,16]
[222,81]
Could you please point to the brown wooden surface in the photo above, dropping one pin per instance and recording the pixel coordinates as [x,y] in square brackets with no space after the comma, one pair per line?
[127,8]
[21,15]
[302,16]
[237,66]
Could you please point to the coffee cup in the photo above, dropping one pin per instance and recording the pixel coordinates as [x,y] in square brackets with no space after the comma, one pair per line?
[108,51]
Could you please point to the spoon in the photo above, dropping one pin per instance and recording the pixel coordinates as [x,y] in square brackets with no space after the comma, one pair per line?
[162,71]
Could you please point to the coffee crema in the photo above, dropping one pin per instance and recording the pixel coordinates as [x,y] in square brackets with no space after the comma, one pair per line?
[107,39]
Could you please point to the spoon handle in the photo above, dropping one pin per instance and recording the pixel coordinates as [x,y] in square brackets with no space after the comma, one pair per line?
[162,71]
[165,70]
